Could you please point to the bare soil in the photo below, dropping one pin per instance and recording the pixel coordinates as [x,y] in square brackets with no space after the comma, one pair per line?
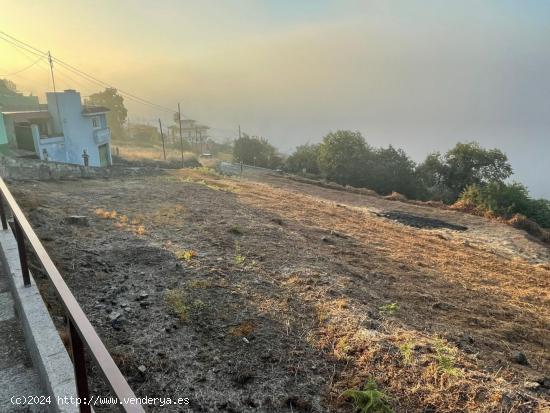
[271,295]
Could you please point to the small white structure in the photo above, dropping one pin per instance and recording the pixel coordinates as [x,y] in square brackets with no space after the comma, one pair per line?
[62,131]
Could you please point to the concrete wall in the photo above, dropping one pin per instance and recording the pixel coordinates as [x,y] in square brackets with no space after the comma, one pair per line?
[76,128]
[3,132]
[33,169]
[10,130]
[54,146]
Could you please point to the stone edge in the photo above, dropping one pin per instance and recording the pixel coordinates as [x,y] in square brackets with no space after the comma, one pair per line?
[47,351]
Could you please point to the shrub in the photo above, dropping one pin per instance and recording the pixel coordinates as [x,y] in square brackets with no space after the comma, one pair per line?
[388,309]
[522,222]
[304,158]
[175,299]
[370,399]
[507,200]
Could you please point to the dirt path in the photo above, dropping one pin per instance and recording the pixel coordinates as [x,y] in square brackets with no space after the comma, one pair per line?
[276,296]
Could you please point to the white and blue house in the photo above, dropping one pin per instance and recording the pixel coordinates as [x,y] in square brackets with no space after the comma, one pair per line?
[63,130]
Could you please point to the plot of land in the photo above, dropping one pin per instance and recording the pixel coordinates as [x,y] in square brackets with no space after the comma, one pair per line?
[276,296]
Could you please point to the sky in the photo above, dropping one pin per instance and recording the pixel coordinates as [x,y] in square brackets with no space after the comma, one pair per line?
[418,74]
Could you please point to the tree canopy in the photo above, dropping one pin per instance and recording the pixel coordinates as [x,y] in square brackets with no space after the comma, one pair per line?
[304,158]
[117,115]
[342,157]
[8,85]
[389,169]
[255,151]
[466,164]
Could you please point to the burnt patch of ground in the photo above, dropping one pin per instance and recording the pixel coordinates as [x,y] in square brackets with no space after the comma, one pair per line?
[420,221]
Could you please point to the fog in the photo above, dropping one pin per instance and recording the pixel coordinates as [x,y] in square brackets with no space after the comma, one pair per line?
[420,75]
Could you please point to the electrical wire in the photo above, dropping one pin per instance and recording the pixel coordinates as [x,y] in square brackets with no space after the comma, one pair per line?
[25,68]
[90,78]
[31,49]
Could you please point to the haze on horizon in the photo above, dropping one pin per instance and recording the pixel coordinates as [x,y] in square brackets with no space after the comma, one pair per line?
[417,74]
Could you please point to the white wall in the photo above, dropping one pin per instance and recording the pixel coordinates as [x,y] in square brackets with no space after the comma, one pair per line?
[77,130]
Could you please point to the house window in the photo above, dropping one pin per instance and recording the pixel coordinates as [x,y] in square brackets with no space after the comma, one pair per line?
[96,124]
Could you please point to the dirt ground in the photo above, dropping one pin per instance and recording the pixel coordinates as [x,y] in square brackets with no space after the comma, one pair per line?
[270,295]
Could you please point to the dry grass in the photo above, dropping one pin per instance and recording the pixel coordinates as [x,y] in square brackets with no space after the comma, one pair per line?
[522,222]
[176,301]
[423,268]
[102,213]
[121,221]
[153,152]
[186,255]
[518,221]
[396,196]
[337,297]
[243,329]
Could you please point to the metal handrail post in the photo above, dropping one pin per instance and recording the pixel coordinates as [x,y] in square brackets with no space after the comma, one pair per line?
[3,213]
[79,362]
[20,236]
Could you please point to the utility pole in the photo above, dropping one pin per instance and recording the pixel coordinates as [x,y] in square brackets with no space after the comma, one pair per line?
[239,131]
[162,137]
[200,139]
[196,138]
[181,136]
[55,92]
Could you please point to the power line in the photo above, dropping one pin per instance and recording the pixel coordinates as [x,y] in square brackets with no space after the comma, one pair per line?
[90,78]
[25,68]
[39,53]
[29,48]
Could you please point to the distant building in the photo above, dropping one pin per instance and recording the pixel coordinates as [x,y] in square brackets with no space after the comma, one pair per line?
[63,131]
[193,132]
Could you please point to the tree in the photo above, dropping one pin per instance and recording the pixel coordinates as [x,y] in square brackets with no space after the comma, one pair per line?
[431,175]
[8,85]
[343,156]
[117,115]
[445,177]
[255,151]
[390,169]
[144,134]
[469,163]
[305,157]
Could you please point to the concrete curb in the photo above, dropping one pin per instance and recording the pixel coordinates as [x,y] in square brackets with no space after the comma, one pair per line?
[48,354]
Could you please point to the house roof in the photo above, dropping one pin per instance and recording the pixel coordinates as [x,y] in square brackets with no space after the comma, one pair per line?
[94,110]
[26,115]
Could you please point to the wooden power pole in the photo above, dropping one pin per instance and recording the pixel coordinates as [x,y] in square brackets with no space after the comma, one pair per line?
[181,135]
[162,137]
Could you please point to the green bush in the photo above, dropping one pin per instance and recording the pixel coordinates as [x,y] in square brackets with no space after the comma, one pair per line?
[506,200]
[305,157]
[343,156]
[370,399]
[389,169]
[256,151]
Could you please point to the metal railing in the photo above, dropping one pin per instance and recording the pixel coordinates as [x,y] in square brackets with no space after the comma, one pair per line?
[81,331]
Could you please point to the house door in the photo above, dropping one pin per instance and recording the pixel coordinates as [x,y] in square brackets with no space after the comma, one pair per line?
[23,136]
[104,155]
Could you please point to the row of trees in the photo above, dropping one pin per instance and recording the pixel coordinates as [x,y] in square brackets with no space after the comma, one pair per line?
[345,157]
[467,172]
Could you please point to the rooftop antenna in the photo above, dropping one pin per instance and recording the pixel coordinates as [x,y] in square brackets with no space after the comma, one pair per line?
[55,92]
